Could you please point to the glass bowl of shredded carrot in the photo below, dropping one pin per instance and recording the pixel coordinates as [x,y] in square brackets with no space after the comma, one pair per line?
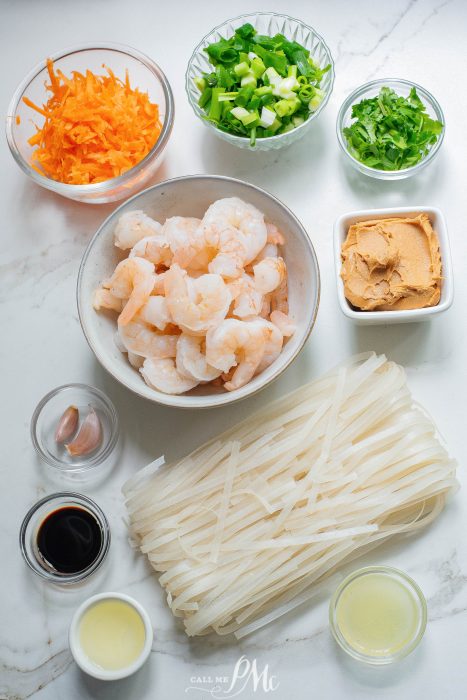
[92,123]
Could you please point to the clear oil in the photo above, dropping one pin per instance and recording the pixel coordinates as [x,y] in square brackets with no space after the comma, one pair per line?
[112,634]
[377,615]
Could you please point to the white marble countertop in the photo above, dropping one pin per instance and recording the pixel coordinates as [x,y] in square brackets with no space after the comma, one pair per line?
[42,346]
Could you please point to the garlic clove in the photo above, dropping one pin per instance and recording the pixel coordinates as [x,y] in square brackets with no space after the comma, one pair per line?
[67,424]
[89,436]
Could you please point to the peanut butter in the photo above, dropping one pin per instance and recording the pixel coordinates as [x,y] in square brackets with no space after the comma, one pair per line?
[392,264]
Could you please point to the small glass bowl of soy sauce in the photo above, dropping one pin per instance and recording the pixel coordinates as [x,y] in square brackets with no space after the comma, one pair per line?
[64,538]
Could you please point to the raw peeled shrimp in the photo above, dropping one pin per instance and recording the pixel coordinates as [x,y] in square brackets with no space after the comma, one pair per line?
[274,236]
[135,361]
[269,274]
[236,231]
[132,227]
[164,376]
[196,304]
[141,339]
[284,323]
[156,312]
[280,298]
[186,242]
[240,343]
[266,307]
[159,287]
[191,359]
[248,301]
[133,279]
[153,248]
[199,300]
[104,299]
[270,250]
[273,346]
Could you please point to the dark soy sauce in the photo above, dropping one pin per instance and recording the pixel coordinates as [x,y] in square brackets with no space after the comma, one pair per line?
[69,539]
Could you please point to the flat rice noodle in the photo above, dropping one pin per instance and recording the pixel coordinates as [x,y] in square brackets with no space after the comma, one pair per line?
[251,524]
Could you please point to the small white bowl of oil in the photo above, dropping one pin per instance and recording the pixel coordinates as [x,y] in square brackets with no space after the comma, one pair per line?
[110,636]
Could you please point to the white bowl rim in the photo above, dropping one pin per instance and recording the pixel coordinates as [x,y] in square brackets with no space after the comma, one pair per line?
[276,137]
[80,657]
[97,187]
[408,314]
[213,400]
[376,172]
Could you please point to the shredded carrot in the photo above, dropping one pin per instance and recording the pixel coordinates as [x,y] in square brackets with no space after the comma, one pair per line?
[18,119]
[96,127]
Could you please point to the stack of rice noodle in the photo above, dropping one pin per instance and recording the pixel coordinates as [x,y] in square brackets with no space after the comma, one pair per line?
[249,525]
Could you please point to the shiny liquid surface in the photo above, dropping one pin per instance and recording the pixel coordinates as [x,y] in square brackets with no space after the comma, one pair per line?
[377,615]
[112,634]
[69,540]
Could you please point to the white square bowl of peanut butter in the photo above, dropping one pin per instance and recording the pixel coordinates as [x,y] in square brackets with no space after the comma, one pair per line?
[394,315]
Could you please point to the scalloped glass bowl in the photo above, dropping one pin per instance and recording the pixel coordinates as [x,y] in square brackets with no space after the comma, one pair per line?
[269,23]
[371,89]
[144,74]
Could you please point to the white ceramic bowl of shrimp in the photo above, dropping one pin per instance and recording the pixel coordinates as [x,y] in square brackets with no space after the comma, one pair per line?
[191,196]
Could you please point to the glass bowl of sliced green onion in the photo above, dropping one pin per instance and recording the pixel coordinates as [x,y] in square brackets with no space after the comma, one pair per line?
[259,80]
[390,129]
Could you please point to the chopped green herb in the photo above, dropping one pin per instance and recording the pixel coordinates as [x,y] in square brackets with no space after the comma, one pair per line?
[391,132]
[261,85]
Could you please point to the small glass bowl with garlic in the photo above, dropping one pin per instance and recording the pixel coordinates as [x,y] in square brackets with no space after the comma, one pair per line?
[74,428]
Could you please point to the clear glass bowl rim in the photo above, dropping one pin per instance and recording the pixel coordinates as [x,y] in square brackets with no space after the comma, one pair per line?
[98,187]
[100,456]
[198,49]
[80,500]
[390,571]
[359,92]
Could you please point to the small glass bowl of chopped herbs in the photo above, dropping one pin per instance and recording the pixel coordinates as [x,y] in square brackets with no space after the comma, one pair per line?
[390,129]
[259,80]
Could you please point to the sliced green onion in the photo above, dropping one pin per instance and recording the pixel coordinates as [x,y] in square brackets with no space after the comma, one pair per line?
[285,108]
[205,97]
[253,136]
[285,88]
[267,99]
[288,127]
[274,127]
[263,90]
[260,85]
[248,80]
[273,60]
[257,67]
[244,95]
[242,69]
[254,103]
[315,101]
[221,52]
[306,93]
[200,83]
[272,75]
[227,96]
[268,117]
[244,115]
[215,108]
